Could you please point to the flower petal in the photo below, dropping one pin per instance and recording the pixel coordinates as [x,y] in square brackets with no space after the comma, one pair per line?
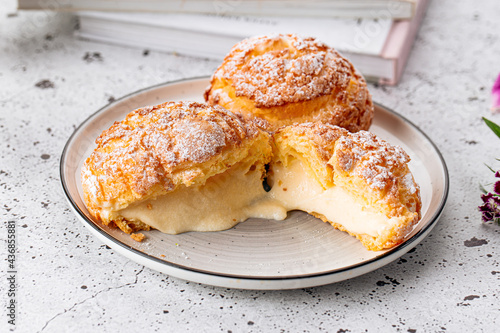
[486,197]
[487,216]
[496,187]
[495,95]
[484,208]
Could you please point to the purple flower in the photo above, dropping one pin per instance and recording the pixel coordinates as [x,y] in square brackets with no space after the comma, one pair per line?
[491,208]
[495,95]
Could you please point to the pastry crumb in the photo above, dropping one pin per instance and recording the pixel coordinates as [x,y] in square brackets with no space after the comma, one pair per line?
[139,237]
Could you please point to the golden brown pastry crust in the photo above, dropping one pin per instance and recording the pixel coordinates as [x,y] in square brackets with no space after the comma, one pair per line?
[156,149]
[285,79]
[313,143]
[369,168]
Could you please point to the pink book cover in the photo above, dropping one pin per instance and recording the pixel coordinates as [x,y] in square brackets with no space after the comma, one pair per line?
[400,41]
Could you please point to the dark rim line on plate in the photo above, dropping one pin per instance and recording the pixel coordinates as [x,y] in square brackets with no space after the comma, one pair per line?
[398,248]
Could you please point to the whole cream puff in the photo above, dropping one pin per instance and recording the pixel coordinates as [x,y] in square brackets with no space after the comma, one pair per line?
[283,79]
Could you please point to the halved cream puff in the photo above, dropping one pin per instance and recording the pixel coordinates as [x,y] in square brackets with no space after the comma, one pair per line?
[355,181]
[178,167]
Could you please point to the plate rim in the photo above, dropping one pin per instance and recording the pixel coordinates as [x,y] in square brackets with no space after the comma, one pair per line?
[400,249]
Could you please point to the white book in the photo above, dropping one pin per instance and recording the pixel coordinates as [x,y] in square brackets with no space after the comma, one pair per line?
[379,48]
[395,9]
[211,36]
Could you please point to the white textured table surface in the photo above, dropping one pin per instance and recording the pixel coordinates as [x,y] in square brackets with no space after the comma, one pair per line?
[68,281]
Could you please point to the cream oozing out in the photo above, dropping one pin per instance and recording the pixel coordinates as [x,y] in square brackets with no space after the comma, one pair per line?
[222,202]
[237,194]
[294,189]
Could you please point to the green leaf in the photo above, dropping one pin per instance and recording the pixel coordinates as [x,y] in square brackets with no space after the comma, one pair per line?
[490,168]
[494,127]
[483,189]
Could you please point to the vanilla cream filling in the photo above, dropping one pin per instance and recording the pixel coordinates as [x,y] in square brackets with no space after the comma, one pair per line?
[222,202]
[237,194]
[294,189]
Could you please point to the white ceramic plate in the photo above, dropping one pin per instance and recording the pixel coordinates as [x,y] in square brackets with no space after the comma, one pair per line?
[299,252]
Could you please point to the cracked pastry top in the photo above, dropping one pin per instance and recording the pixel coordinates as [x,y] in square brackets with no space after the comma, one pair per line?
[286,79]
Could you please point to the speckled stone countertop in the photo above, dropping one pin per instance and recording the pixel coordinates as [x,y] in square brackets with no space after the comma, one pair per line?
[68,281]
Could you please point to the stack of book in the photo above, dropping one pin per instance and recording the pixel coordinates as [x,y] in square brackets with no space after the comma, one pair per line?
[376,35]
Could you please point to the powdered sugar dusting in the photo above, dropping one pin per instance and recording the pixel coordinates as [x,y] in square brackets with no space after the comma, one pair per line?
[198,140]
[409,183]
[151,143]
[90,182]
[371,158]
[280,69]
